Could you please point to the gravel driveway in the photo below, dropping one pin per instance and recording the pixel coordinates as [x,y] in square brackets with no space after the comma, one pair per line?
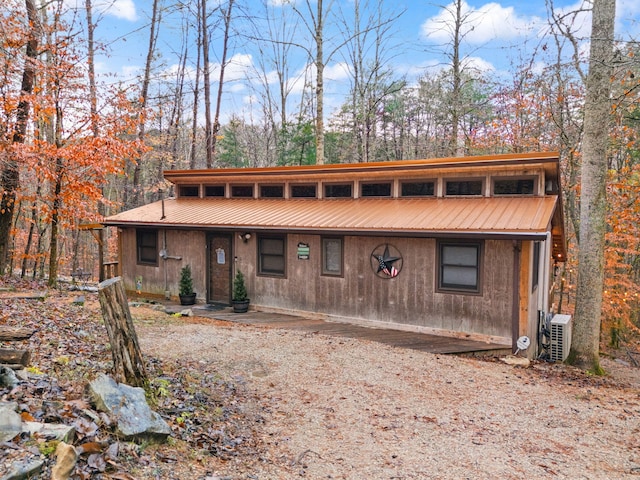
[353,409]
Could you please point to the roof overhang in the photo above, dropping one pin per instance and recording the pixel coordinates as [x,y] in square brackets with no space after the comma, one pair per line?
[487,217]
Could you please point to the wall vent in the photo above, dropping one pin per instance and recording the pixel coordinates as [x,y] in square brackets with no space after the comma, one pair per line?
[560,341]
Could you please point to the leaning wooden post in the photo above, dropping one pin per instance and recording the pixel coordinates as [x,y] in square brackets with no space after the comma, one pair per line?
[128,364]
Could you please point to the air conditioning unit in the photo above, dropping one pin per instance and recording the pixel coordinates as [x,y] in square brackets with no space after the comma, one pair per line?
[560,337]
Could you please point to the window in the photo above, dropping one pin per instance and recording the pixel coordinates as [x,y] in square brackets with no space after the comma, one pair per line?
[147,247]
[418,189]
[242,191]
[338,190]
[189,191]
[375,189]
[332,256]
[463,187]
[271,191]
[535,275]
[459,266]
[515,186]
[214,191]
[272,256]
[303,191]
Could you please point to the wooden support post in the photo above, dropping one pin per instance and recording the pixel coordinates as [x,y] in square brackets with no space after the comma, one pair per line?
[127,358]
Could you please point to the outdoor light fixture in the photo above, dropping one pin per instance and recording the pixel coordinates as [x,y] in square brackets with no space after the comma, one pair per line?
[244,237]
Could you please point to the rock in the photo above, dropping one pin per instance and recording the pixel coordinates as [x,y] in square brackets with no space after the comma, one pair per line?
[79,300]
[128,406]
[187,312]
[24,469]
[66,458]
[53,431]
[10,421]
[8,377]
[516,361]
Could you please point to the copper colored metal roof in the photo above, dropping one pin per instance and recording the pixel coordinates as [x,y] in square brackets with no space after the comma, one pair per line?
[512,216]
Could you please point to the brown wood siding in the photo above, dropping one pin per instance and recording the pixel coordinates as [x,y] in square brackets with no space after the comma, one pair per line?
[190,245]
[408,299]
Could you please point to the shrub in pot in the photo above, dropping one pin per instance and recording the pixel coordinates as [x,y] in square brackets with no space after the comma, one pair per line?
[185,292]
[239,298]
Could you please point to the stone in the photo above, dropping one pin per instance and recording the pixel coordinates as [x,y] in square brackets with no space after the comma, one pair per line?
[516,361]
[52,431]
[128,406]
[80,300]
[66,458]
[24,469]
[8,377]
[10,421]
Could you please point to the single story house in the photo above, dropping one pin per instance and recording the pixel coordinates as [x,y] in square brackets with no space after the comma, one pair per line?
[461,246]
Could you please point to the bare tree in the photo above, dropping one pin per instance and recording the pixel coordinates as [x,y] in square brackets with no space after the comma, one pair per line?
[144,95]
[593,203]
[226,14]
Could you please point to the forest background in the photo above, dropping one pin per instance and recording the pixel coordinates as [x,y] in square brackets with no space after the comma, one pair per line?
[86,132]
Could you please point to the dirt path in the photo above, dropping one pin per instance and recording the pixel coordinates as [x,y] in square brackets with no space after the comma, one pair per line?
[351,409]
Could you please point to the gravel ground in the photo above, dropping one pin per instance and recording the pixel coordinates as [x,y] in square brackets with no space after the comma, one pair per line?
[351,409]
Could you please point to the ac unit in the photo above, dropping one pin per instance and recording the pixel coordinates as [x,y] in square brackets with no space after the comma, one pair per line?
[560,337]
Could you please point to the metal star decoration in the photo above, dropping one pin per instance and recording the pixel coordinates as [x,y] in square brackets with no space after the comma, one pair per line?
[385,262]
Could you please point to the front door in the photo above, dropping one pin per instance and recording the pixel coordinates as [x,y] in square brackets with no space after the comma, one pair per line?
[220,258]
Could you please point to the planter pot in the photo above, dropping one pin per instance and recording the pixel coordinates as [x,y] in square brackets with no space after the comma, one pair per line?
[240,306]
[188,299]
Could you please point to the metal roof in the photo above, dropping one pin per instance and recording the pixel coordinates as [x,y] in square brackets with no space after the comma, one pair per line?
[518,217]
[546,160]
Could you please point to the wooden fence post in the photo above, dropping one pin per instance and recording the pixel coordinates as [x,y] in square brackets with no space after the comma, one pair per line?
[127,358]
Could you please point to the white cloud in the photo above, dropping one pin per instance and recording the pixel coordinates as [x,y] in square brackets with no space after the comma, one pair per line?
[489,22]
[124,9]
[478,64]
[237,69]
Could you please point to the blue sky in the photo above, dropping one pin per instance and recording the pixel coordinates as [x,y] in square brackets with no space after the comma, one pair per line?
[503,35]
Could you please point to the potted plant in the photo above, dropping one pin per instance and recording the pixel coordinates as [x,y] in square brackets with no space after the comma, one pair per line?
[239,298]
[186,293]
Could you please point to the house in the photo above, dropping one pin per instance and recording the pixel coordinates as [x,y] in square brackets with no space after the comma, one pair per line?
[455,246]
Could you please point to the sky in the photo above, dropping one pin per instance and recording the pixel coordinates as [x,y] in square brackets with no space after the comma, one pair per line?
[504,34]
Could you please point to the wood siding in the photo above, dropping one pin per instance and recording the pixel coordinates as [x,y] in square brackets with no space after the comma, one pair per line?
[410,299]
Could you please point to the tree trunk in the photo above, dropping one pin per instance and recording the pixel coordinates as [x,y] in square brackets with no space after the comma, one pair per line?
[319,85]
[128,363]
[586,330]
[93,101]
[9,176]
[144,96]
[223,64]
[207,85]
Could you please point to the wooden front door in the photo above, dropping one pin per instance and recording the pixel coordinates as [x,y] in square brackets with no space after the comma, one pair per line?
[220,258]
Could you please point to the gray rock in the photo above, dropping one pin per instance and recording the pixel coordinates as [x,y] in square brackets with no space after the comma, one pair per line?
[79,300]
[8,377]
[128,406]
[54,431]
[10,421]
[24,469]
